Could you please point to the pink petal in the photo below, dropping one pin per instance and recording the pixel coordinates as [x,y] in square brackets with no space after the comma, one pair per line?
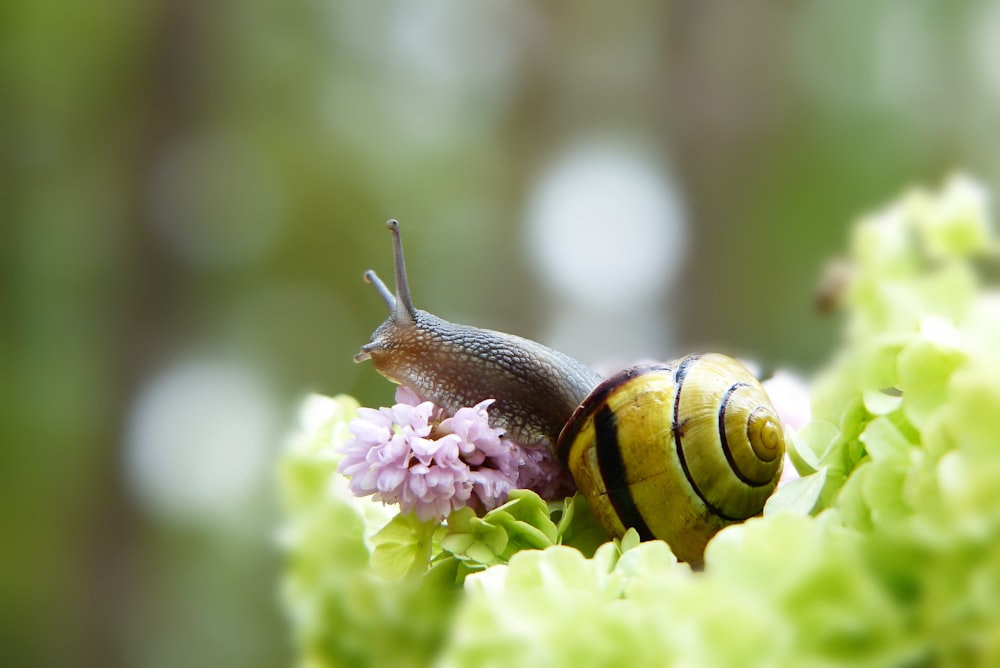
[440,480]
[424,448]
[351,468]
[491,487]
[405,395]
[369,431]
[417,482]
[379,416]
[474,457]
[428,511]
[463,490]
[447,453]
[390,479]
[364,483]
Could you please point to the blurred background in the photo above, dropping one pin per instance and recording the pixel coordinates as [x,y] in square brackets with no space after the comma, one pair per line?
[190,192]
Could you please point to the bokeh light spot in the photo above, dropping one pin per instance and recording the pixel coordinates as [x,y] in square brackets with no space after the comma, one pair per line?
[198,439]
[605,225]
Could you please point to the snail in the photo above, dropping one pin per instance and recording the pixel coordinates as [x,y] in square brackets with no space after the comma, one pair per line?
[676,451]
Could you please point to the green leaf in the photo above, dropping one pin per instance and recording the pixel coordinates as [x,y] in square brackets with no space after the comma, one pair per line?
[924,370]
[851,502]
[579,528]
[882,490]
[884,442]
[971,415]
[813,441]
[443,572]
[644,559]
[956,224]
[403,546]
[555,569]
[879,402]
[475,539]
[798,496]
[606,557]
[629,541]
[526,507]
[521,535]
[854,419]
[526,522]
[878,360]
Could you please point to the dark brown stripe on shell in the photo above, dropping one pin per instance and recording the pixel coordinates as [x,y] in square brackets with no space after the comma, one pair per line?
[724,439]
[678,430]
[596,398]
[612,469]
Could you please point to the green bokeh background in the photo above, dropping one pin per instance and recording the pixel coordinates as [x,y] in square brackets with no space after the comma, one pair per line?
[188,182]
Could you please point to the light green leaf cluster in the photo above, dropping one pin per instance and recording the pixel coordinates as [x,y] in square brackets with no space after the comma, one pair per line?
[790,590]
[471,543]
[885,552]
[466,543]
[917,381]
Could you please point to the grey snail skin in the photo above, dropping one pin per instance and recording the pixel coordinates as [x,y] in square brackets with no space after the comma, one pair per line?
[676,451]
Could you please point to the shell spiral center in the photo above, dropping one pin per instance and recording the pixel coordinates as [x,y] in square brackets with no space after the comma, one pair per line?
[765,434]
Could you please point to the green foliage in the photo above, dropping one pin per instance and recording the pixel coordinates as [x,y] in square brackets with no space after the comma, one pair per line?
[885,552]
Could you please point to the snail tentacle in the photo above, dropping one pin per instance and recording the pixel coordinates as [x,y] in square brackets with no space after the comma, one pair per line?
[404,310]
[380,287]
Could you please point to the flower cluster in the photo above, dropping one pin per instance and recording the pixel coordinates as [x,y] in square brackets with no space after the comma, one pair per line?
[413,455]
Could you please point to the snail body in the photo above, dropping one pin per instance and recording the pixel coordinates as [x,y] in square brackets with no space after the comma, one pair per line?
[676,450]
[536,388]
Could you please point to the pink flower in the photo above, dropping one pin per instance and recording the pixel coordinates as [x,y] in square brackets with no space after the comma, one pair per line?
[542,473]
[432,464]
[789,394]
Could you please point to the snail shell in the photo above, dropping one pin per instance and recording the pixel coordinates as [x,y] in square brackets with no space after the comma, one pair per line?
[678,451]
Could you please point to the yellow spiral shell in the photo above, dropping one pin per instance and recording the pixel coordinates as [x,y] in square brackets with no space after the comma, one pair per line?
[678,451]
